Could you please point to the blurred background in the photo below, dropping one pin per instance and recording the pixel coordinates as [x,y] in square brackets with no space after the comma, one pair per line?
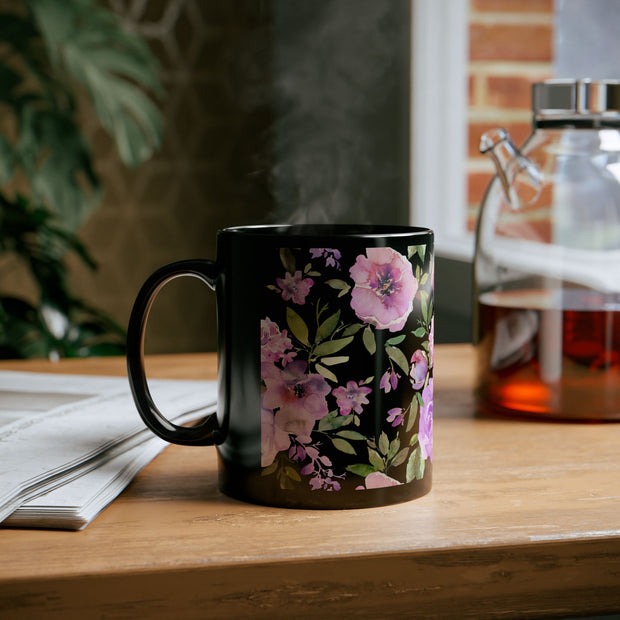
[294,111]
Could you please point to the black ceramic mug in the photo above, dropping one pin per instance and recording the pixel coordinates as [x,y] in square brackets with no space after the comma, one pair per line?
[325,363]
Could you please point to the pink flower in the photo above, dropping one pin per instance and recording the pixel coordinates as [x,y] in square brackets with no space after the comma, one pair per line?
[389,380]
[273,438]
[419,368]
[299,398]
[384,288]
[351,397]
[275,345]
[378,480]
[295,287]
[425,426]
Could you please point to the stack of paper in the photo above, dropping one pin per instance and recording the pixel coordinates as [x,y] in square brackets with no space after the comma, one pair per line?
[69,444]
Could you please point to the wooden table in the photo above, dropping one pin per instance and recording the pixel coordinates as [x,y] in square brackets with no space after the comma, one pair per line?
[523,518]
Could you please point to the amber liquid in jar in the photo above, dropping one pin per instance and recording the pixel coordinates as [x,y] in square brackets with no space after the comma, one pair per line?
[553,354]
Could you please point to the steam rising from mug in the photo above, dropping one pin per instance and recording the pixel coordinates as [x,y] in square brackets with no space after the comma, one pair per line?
[339,140]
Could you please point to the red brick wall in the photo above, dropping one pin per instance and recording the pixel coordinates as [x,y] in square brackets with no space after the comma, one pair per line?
[511,47]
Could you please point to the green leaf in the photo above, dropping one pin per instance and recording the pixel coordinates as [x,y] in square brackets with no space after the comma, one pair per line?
[298,327]
[398,357]
[352,329]
[413,440]
[413,414]
[343,445]
[420,332]
[396,340]
[384,443]
[292,474]
[420,250]
[116,68]
[333,361]
[325,372]
[361,469]
[369,340]
[334,420]
[394,448]
[329,347]
[270,469]
[327,327]
[339,285]
[415,466]
[375,460]
[354,435]
[400,458]
[288,260]
[424,305]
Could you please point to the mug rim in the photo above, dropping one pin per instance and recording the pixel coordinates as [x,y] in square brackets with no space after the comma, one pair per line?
[340,231]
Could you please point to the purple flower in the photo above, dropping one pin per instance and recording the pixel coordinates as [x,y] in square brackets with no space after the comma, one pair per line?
[419,369]
[396,416]
[425,427]
[331,255]
[297,398]
[275,345]
[351,397]
[384,288]
[295,287]
[389,380]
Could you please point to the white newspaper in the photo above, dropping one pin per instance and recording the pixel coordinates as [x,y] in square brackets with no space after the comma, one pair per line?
[69,444]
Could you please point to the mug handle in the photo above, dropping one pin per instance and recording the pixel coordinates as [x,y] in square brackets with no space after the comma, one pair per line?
[204,434]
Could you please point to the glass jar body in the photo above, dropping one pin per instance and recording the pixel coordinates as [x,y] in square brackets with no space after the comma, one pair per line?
[547,282]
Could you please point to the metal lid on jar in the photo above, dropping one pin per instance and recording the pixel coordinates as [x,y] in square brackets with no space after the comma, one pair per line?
[583,102]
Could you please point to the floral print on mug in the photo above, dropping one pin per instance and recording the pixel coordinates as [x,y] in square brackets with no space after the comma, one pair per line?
[328,318]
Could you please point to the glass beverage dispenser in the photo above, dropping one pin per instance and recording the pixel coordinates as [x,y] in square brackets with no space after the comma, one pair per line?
[547,263]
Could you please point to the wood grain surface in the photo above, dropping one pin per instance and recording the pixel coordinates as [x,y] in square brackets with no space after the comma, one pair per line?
[523,519]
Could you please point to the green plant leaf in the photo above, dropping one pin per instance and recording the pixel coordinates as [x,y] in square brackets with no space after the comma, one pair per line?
[352,329]
[334,420]
[398,357]
[342,445]
[396,340]
[420,250]
[115,67]
[327,327]
[424,305]
[292,474]
[413,414]
[354,435]
[339,285]
[394,448]
[333,361]
[419,332]
[325,372]
[375,460]
[361,469]
[329,347]
[400,458]
[288,260]
[369,340]
[298,327]
[415,466]
[270,469]
[384,443]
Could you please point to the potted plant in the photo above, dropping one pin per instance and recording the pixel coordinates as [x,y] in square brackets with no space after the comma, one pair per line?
[55,58]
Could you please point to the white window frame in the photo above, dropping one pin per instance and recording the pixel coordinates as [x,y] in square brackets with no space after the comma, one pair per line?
[439,99]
